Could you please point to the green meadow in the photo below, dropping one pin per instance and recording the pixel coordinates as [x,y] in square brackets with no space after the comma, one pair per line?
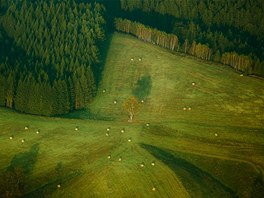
[198,133]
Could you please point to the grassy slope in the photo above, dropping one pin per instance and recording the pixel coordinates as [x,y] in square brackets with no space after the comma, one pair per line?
[190,159]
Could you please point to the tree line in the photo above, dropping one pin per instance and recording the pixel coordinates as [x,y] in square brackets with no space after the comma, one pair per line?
[54,49]
[147,34]
[224,26]
[243,63]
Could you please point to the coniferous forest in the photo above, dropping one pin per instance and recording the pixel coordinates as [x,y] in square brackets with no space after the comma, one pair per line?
[50,50]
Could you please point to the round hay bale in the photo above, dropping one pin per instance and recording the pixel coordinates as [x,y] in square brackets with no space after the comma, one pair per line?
[115,102]
[104,90]
[76,128]
[37,132]
[193,83]
[107,134]
[241,75]
[120,159]
[108,129]
[109,157]
[142,101]
[58,185]
[147,125]
[23,140]
[184,108]
[132,59]
[189,108]
[129,140]
[153,188]
[153,163]
[122,130]
[216,134]
[26,127]
[139,59]
[11,137]
[142,165]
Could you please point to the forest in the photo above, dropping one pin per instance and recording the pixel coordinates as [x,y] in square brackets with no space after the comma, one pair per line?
[54,49]
[55,46]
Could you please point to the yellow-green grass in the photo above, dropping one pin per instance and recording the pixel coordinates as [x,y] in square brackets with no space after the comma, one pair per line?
[220,96]
[84,152]
[216,149]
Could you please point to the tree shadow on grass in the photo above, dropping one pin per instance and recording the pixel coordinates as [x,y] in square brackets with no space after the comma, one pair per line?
[13,180]
[25,160]
[257,189]
[197,182]
[86,114]
[59,178]
[98,70]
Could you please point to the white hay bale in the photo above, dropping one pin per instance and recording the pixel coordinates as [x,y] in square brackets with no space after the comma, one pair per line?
[109,157]
[193,83]
[76,128]
[189,108]
[142,165]
[107,134]
[153,188]
[23,140]
[241,75]
[104,90]
[184,108]
[142,101]
[26,127]
[129,140]
[139,59]
[120,159]
[58,185]
[11,137]
[216,134]
[152,163]
[115,102]
[108,129]
[132,59]
[147,124]
[122,130]
[37,132]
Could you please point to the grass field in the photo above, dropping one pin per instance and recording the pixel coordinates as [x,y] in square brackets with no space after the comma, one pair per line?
[215,149]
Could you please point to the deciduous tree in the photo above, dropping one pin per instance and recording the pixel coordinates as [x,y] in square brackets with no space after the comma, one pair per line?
[131,106]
